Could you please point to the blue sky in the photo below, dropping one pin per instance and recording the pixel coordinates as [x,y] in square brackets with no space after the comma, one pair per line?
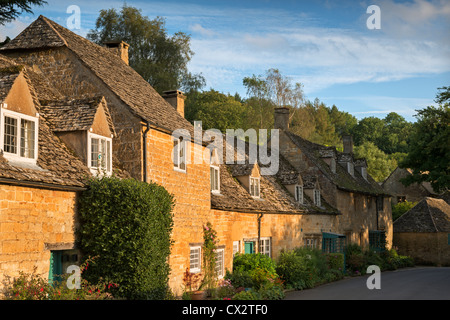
[325,45]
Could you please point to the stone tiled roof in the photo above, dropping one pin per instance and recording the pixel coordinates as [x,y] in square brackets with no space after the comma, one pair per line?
[120,78]
[56,165]
[342,179]
[429,215]
[74,114]
[274,197]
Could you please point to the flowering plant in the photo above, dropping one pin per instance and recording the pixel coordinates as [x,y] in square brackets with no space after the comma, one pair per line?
[35,287]
[209,255]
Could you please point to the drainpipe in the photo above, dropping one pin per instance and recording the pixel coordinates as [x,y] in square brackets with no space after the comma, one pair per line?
[144,138]
[259,231]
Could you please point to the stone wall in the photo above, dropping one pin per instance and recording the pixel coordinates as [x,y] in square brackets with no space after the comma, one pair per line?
[32,221]
[191,190]
[425,248]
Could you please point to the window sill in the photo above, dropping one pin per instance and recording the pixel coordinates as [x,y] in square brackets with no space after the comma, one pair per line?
[179,170]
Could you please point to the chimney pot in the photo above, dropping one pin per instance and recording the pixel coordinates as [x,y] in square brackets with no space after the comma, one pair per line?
[176,99]
[281,118]
[348,144]
[120,48]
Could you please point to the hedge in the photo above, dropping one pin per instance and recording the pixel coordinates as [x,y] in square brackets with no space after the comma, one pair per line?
[126,225]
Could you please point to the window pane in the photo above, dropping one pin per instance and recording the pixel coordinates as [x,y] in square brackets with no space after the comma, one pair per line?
[27,134]
[175,153]
[219,263]
[194,264]
[108,156]
[94,152]
[102,154]
[10,137]
[182,155]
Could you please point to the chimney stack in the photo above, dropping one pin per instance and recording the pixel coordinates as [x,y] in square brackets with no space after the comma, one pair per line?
[281,118]
[176,99]
[119,48]
[348,144]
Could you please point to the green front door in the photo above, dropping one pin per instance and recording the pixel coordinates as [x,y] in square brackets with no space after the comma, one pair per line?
[55,271]
[249,247]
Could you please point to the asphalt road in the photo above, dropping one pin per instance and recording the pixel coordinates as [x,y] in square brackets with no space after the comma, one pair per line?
[420,283]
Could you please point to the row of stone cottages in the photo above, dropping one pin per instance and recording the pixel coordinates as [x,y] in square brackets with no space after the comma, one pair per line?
[66,101]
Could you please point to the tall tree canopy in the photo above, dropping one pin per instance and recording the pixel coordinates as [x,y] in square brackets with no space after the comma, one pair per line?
[158,57]
[11,9]
[429,149]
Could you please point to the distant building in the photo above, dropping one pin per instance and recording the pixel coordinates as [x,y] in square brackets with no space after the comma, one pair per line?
[412,193]
[424,232]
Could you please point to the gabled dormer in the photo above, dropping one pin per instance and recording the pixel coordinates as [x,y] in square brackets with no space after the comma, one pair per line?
[249,175]
[311,188]
[328,155]
[19,117]
[361,167]
[85,126]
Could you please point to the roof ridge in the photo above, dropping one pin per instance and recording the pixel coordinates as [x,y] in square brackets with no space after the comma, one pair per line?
[429,212]
[47,21]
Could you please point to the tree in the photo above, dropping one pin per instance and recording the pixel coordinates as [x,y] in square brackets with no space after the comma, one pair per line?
[400,208]
[216,110]
[159,58]
[379,164]
[11,9]
[429,149]
[343,121]
[270,91]
[369,129]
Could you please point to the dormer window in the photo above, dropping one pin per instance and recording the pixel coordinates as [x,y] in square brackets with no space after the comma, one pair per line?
[214,172]
[100,154]
[254,187]
[351,168]
[18,136]
[299,194]
[333,165]
[317,201]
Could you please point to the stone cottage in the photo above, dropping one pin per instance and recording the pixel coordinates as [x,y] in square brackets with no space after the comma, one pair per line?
[366,215]
[401,193]
[40,176]
[97,115]
[424,232]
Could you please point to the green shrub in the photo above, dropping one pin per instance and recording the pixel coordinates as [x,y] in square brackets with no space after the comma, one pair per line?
[247,295]
[240,278]
[127,224]
[250,262]
[292,268]
[335,261]
[272,290]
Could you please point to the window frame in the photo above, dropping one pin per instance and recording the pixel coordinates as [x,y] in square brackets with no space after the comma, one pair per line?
[214,172]
[195,269]
[219,268]
[299,200]
[252,189]
[265,243]
[177,159]
[317,197]
[19,117]
[99,170]
[236,247]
